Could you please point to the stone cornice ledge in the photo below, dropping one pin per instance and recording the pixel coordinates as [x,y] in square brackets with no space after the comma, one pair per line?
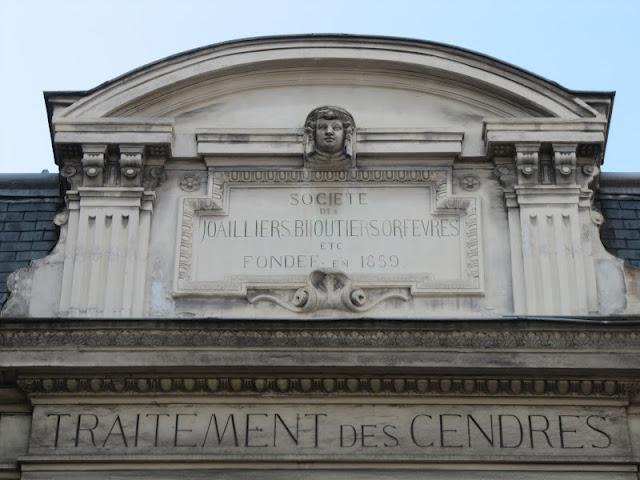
[445,347]
[587,131]
[113,130]
[289,142]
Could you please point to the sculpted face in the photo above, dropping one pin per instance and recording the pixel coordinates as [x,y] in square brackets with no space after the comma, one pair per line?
[329,135]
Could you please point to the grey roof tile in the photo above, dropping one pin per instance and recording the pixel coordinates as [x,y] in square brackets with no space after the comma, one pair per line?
[614,244]
[49,235]
[616,223]
[630,224]
[8,267]
[15,246]
[10,236]
[46,225]
[40,215]
[632,254]
[7,256]
[11,216]
[46,246]
[613,213]
[19,226]
[35,235]
[628,234]
[31,255]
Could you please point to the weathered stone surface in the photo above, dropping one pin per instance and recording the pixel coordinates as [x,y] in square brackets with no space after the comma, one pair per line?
[503,188]
[392,228]
[508,345]
[392,472]
[14,436]
[335,432]
[370,258]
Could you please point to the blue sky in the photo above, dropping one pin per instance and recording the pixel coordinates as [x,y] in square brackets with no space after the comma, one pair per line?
[76,45]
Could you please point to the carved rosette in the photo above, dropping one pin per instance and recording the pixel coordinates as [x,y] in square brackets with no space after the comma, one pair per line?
[469,183]
[191,182]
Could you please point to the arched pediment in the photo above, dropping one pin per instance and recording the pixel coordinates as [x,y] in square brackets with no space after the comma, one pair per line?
[405,170]
[193,80]
[388,84]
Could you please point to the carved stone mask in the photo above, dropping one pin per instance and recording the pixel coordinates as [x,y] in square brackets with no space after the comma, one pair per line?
[329,139]
[329,135]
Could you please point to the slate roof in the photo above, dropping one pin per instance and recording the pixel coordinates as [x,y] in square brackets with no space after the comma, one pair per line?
[619,199]
[28,203]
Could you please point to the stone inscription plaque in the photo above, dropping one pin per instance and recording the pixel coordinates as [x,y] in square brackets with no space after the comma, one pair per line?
[363,231]
[267,232]
[335,431]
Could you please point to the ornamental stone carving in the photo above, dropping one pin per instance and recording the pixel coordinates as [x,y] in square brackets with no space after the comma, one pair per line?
[131,165]
[191,182]
[564,159]
[527,163]
[470,183]
[93,164]
[329,290]
[329,139]
[363,385]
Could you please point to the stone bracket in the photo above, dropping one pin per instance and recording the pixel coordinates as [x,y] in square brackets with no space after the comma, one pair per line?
[93,165]
[131,165]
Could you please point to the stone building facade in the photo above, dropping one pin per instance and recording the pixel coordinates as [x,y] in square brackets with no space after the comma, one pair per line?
[322,257]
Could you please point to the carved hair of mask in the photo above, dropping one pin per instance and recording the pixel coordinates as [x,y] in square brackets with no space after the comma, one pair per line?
[329,139]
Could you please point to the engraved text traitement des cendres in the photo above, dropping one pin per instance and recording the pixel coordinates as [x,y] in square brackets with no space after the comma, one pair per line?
[401,431]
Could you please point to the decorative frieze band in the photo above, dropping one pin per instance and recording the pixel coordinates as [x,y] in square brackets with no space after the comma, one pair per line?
[507,334]
[332,385]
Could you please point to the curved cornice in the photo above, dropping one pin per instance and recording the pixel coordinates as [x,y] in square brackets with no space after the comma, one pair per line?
[430,59]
